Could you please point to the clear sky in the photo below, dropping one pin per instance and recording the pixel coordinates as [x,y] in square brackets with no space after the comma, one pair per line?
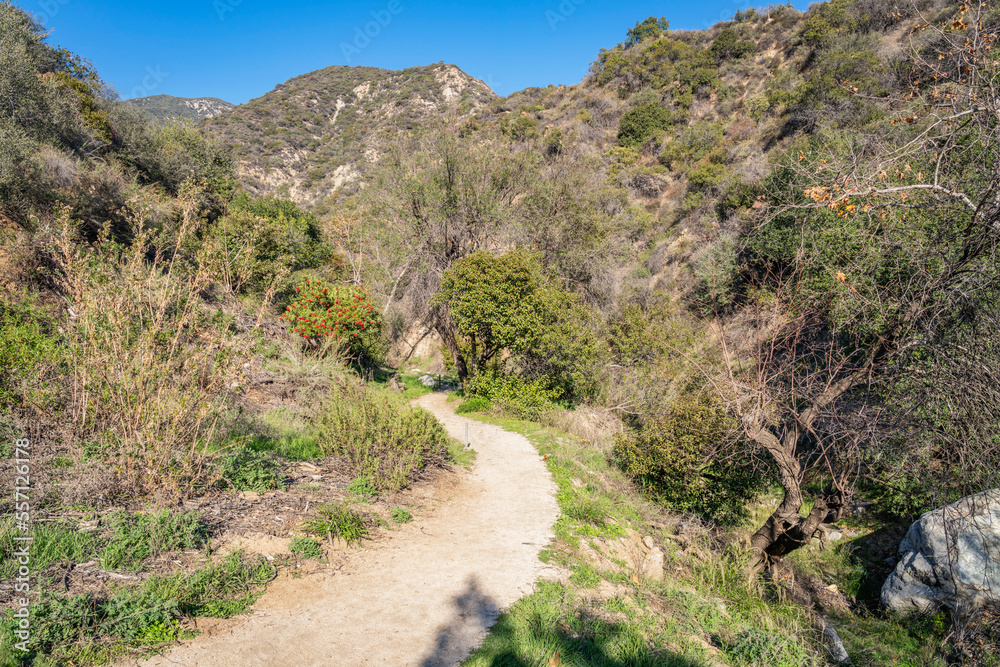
[241,49]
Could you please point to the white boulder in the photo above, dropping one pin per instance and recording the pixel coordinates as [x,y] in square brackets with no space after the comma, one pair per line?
[949,558]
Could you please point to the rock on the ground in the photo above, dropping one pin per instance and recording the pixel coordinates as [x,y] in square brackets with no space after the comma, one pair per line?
[949,558]
[652,567]
[428,380]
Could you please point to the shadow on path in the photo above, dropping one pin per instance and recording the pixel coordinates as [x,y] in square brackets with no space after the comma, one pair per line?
[475,612]
[534,633]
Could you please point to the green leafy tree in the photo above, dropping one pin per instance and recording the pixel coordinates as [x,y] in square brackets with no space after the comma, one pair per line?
[650,27]
[496,305]
[877,298]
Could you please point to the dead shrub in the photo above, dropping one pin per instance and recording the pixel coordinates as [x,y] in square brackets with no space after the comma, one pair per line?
[149,367]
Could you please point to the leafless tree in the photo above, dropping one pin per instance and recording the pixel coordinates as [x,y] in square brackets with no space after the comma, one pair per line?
[818,380]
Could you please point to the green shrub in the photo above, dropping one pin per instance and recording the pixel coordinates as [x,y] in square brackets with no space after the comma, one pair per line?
[301,236]
[401,515]
[473,404]
[305,547]
[686,459]
[757,106]
[512,394]
[706,176]
[139,536]
[259,239]
[729,46]
[644,122]
[384,439]
[27,342]
[338,521]
[249,470]
[96,628]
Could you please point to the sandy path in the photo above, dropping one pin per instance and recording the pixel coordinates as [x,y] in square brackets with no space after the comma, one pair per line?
[423,597]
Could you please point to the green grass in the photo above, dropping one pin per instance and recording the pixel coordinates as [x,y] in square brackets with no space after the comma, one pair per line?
[338,521]
[474,404]
[290,447]
[856,565]
[401,515]
[125,542]
[305,547]
[137,537]
[646,623]
[554,620]
[54,542]
[100,628]
[362,487]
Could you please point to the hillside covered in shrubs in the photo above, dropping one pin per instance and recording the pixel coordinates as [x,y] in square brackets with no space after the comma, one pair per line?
[739,284]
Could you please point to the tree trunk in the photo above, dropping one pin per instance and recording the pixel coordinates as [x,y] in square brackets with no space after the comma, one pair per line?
[447,330]
[786,530]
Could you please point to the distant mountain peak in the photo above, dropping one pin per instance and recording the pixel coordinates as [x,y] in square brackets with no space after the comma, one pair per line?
[318,132]
[169,107]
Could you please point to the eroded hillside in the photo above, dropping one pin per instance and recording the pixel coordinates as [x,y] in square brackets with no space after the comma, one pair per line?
[317,132]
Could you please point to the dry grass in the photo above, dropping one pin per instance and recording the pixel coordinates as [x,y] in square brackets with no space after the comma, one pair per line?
[150,370]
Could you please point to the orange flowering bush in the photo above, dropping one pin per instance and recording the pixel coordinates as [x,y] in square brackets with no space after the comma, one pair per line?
[343,312]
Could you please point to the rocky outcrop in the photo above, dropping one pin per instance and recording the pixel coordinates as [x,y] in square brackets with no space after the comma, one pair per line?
[949,558]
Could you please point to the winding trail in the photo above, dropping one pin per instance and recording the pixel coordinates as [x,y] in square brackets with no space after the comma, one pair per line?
[424,597]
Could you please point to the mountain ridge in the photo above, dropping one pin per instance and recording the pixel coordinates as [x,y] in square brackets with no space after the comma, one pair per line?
[317,132]
[169,107]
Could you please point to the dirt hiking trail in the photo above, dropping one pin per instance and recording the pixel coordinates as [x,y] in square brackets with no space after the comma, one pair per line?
[427,594]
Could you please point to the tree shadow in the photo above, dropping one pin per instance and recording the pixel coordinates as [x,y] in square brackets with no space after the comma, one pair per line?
[583,640]
[475,612]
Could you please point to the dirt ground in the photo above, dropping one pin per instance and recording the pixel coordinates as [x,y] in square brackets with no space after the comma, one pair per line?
[424,595]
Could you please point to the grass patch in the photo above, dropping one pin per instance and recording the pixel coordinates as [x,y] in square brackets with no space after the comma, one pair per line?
[305,547]
[248,469]
[704,602]
[137,537]
[290,447]
[363,488]
[51,543]
[100,628]
[553,620]
[128,540]
[338,521]
[474,404]
[401,515]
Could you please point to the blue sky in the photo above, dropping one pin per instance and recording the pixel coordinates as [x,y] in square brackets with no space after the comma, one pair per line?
[241,49]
